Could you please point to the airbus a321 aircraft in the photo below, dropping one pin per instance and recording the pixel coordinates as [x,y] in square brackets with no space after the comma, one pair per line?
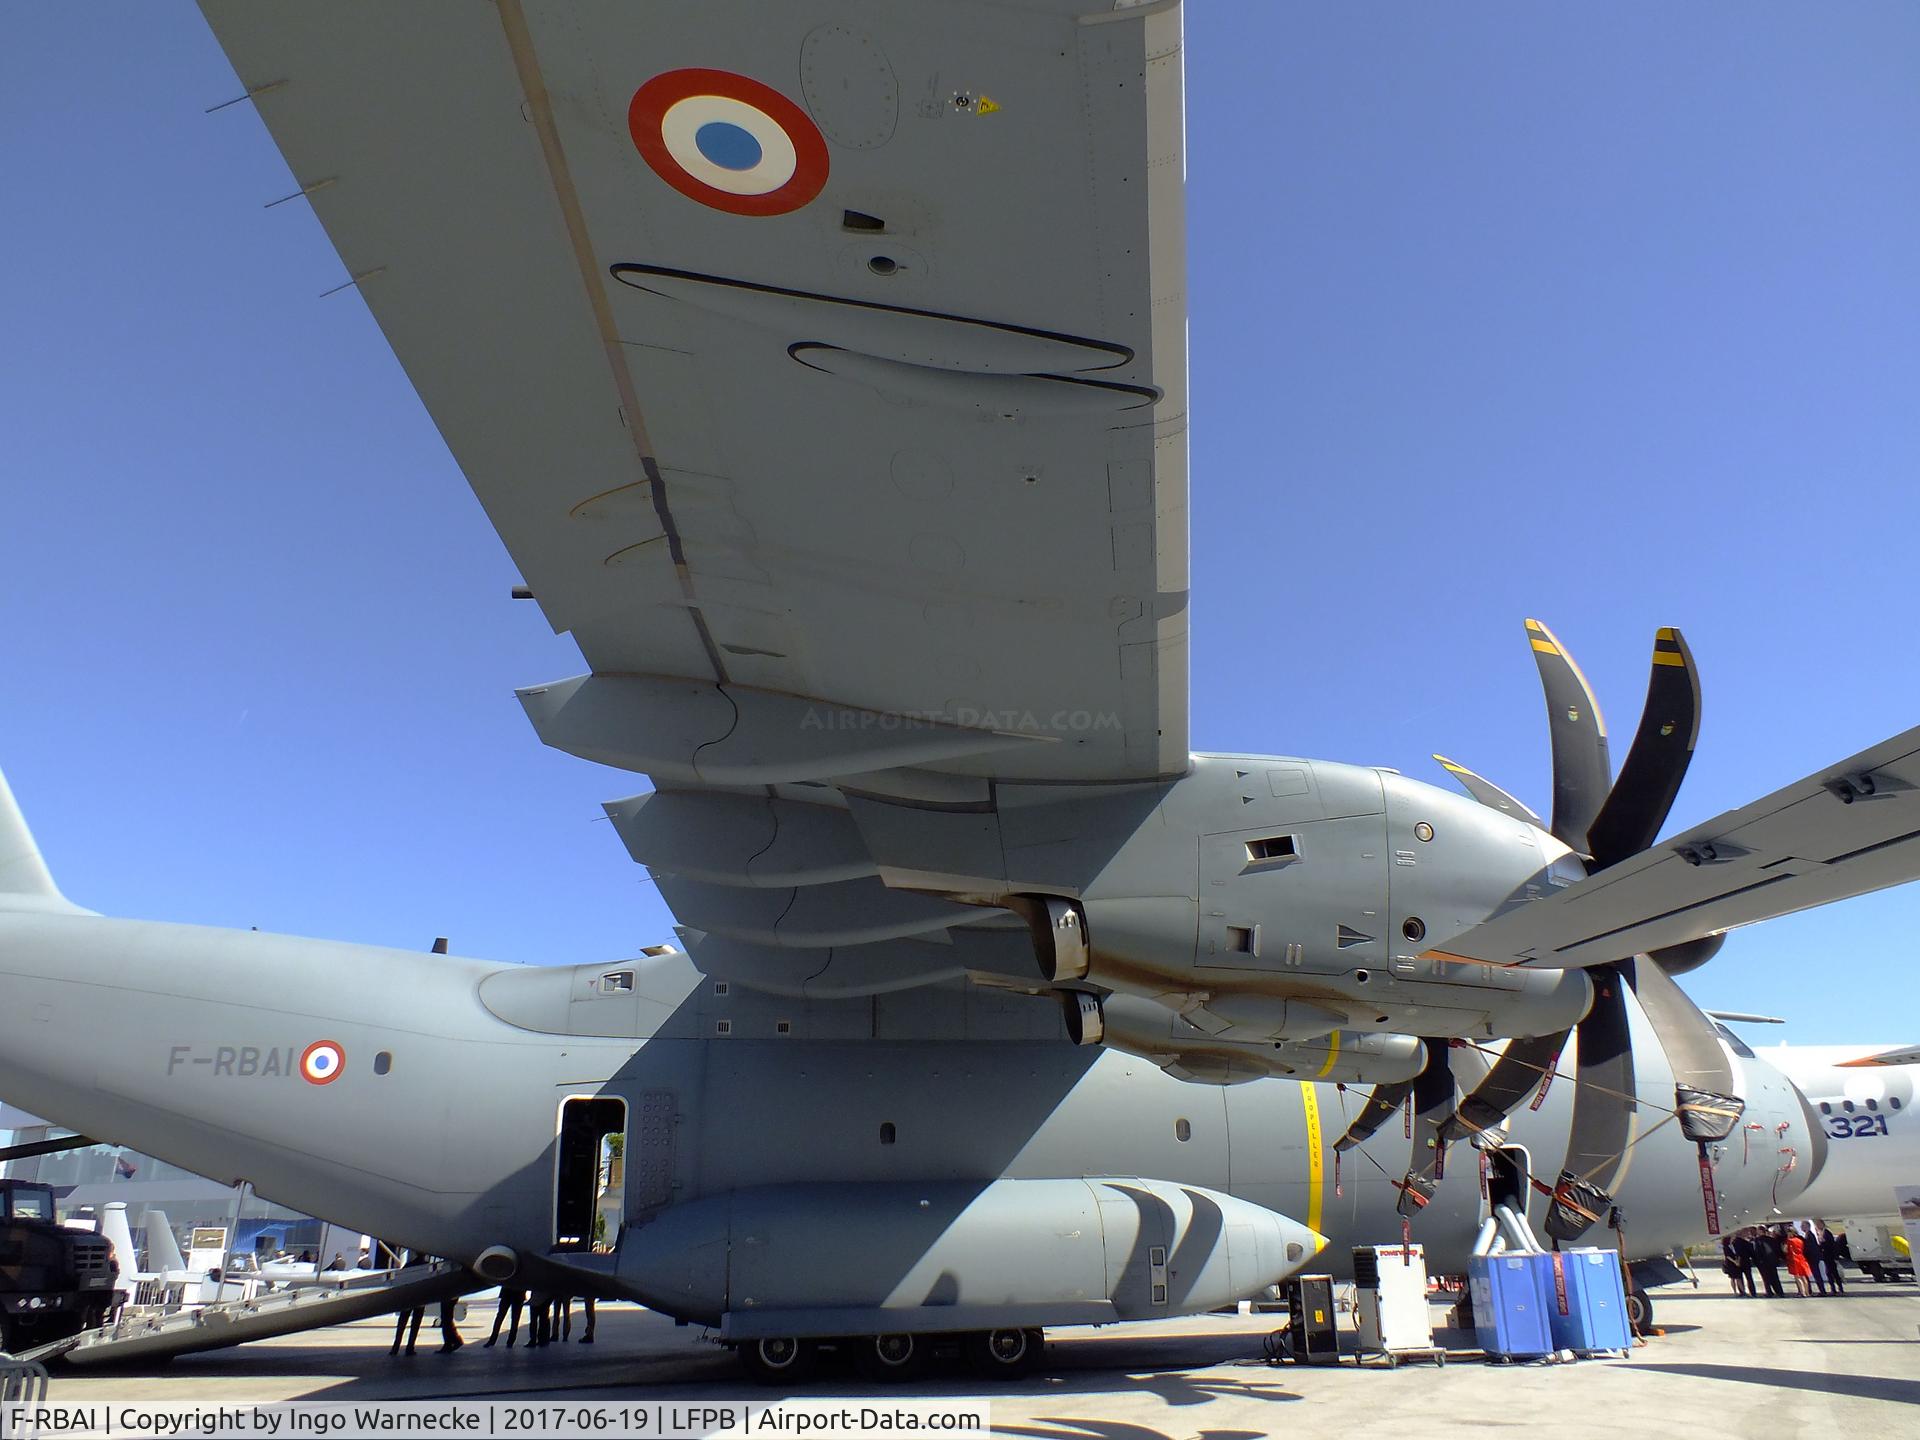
[823,368]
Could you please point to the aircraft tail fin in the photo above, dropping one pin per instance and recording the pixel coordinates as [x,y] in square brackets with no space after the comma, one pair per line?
[24,878]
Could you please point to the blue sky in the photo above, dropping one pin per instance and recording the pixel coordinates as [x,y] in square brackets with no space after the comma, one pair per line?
[1603,314]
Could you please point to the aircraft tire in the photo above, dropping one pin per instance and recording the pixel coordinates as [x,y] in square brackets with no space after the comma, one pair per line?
[888,1358]
[1640,1312]
[1002,1354]
[779,1360]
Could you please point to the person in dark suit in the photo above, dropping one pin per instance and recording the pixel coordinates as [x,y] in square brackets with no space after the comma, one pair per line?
[1730,1263]
[1834,1249]
[1768,1253]
[1816,1256]
[511,1298]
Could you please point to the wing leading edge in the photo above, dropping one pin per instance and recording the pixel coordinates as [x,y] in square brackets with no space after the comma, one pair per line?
[1843,831]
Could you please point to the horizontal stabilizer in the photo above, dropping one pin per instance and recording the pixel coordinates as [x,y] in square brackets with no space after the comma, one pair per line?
[1906,1055]
[1843,831]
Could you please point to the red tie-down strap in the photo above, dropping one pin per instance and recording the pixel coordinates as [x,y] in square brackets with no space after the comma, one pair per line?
[1786,1169]
[1540,1095]
[1707,1196]
[1337,1191]
[1409,1115]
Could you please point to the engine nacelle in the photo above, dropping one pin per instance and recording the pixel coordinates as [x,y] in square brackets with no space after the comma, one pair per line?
[1187,1052]
[852,1259]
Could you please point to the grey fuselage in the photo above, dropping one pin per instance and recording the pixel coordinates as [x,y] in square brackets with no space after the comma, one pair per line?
[438,1130]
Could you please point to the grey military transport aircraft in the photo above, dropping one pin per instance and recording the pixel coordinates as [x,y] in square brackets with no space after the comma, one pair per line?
[995,1007]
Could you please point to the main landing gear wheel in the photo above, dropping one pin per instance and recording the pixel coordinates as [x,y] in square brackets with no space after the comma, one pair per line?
[779,1360]
[888,1357]
[1003,1354]
[1640,1312]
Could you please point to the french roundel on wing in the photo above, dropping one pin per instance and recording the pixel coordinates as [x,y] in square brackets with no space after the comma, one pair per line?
[729,142]
[321,1062]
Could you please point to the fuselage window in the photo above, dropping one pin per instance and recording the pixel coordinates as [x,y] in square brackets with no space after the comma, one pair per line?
[1825,1108]
[1873,1104]
[383,1062]
[1182,1130]
[1893,1102]
[1847,1105]
[887,1132]
[619,982]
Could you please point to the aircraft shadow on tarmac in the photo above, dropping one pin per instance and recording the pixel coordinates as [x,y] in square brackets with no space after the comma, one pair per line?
[1166,1366]
[1861,1387]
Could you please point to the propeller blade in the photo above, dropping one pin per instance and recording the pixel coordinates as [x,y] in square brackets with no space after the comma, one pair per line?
[1490,794]
[1435,1091]
[1689,954]
[1382,1101]
[1702,1072]
[1637,805]
[1582,769]
[1508,1082]
[1604,1110]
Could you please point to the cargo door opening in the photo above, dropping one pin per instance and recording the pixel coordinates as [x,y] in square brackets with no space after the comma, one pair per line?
[592,1136]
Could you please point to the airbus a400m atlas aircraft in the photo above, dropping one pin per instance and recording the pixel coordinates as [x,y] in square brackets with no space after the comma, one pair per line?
[869,521]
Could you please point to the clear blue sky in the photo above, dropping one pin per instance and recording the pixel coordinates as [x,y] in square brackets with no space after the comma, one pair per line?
[1608,314]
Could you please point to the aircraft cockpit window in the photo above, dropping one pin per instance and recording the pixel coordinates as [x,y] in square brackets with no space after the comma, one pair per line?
[1738,1045]
[618,983]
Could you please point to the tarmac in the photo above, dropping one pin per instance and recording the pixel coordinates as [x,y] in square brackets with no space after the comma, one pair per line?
[1725,1365]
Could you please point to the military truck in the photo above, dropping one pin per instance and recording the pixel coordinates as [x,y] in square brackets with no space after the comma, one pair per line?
[54,1281]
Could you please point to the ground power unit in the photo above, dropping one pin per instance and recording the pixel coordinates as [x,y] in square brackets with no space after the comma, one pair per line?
[1394,1320]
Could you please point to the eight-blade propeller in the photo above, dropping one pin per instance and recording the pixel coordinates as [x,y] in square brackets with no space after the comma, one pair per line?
[1605,819]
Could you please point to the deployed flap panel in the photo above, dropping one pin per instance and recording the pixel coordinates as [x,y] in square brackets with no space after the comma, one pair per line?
[729,839]
[688,732]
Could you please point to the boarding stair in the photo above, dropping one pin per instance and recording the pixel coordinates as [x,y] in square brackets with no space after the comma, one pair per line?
[145,1335]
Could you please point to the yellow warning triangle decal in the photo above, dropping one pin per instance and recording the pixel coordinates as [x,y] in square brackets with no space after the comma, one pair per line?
[984,106]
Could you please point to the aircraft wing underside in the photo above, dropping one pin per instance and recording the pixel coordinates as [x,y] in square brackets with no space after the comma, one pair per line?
[1845,830]
[825,377]
[839,355]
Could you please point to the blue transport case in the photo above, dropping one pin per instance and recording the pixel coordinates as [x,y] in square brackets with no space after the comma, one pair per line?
[1512,1297]
[1589,1309]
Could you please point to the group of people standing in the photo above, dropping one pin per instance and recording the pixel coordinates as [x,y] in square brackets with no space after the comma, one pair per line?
[1810,1253]
[549,1317]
